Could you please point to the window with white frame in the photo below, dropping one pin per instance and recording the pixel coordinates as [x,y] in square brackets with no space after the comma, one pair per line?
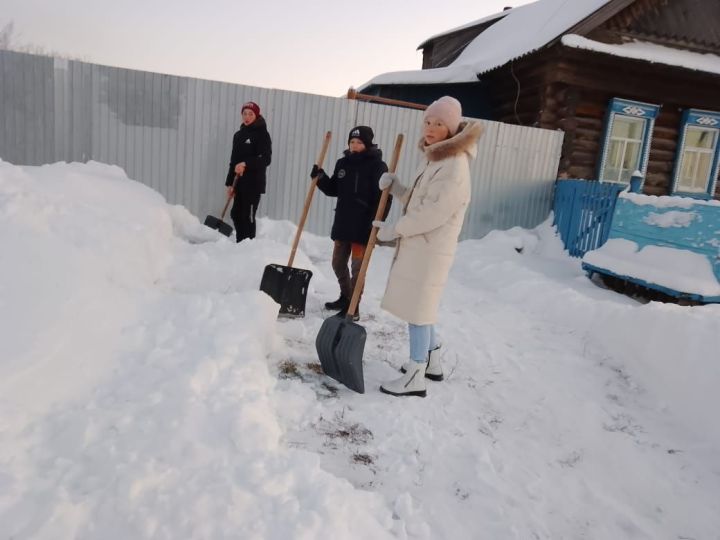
[624,149]
[696,166]
[626,141]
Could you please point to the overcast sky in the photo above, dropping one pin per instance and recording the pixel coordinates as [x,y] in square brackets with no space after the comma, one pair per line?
[322,47]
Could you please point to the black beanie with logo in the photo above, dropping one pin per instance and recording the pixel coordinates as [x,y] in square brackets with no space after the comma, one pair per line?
[364,133]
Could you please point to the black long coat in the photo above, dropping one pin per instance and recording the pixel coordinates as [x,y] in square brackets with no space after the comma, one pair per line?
[355,184]
[252,145]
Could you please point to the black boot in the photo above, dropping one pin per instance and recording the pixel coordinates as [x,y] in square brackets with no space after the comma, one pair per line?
[340,304]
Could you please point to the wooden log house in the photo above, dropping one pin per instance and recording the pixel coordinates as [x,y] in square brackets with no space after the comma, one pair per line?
[634,84]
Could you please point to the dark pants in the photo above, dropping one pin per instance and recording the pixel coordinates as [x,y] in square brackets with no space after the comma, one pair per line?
[342,253]
[243,214]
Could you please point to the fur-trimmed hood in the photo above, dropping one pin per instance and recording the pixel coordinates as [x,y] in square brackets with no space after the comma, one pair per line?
[465,140]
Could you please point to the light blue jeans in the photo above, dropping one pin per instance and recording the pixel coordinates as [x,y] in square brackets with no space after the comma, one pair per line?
[422,341]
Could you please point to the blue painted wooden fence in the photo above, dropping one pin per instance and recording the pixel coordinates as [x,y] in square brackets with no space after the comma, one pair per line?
[583,213]
[694,228]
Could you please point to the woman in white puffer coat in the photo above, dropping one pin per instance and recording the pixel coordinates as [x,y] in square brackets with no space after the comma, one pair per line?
[427,235]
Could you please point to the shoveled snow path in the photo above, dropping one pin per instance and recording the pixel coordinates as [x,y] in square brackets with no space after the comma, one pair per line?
[474,460]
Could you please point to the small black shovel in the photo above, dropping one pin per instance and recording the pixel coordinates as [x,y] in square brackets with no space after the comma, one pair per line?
[286,285]
[341,342]
[217,223]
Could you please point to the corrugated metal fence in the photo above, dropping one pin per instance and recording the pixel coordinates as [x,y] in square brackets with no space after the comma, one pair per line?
[174,134]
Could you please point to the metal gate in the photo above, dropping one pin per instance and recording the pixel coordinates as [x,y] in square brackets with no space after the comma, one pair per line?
[583,213]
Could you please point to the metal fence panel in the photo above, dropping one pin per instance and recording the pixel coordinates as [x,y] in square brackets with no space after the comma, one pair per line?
[26,108]
[175,134]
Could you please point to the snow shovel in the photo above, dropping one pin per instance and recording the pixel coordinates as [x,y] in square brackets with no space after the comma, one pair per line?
[341,342]
[287,285]
[218,224]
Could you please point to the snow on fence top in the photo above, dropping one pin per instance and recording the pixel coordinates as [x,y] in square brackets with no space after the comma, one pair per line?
[667,243]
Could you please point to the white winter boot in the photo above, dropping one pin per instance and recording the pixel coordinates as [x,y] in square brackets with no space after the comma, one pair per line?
[410,384]
[434,370]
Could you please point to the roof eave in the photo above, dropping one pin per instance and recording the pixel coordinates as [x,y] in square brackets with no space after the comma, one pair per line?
[455,30]
[595,19]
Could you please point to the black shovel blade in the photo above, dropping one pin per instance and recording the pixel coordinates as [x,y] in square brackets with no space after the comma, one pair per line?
[288,286]
[340,345]
[219,225]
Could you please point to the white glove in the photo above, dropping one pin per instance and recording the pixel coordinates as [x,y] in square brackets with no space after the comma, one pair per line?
[386,231]
[386,180]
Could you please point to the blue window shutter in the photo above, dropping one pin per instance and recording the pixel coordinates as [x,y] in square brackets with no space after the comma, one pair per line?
[707,120]
[635,109]
[605,139]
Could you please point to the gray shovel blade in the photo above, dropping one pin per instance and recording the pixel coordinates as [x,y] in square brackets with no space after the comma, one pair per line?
[288,286]
[340,345]
[219,225]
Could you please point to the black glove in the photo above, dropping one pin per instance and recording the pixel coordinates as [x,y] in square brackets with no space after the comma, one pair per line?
[317,171]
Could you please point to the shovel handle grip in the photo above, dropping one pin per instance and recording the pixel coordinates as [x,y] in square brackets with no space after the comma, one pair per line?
[323,151]
[230,198]
[309,197]
[360,283]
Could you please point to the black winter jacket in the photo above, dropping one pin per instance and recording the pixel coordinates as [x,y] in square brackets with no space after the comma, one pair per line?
[252,145]
[355,183]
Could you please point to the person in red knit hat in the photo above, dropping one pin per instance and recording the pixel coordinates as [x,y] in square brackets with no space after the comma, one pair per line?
[246,179]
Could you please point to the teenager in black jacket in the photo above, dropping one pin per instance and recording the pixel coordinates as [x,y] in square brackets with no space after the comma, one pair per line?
[355,184]
[251,153]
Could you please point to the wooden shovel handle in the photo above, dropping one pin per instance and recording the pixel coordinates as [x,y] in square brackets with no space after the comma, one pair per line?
[309,197]
[230,198]
[373,234]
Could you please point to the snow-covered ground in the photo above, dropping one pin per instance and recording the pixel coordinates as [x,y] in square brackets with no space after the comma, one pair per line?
[148,391]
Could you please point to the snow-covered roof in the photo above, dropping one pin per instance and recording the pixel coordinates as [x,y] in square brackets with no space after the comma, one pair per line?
[489,18]
[649,52]
[523,30]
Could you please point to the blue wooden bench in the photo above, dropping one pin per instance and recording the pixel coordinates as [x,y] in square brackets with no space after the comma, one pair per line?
[667,244]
